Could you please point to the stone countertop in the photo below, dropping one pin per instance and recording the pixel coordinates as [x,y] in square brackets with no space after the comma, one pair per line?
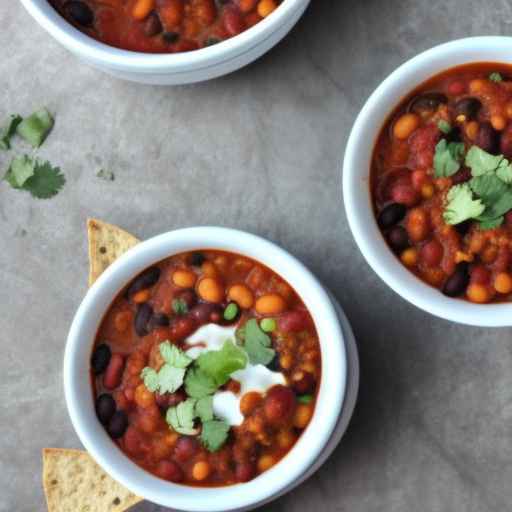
[259,150]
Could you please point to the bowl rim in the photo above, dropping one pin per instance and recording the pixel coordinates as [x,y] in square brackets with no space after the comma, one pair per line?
[78,390]
[140,62]
[356,187]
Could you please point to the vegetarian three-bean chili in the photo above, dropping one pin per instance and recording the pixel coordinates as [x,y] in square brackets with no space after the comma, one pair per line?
[442,182]
[163,26]
[206,369]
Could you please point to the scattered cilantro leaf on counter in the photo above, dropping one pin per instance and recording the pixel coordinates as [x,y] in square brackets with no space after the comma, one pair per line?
[220,364]
[179,306]
[181,417]
[214,434]
[495,77]
[444,126]
[461,206]
[447,158]
[198,384]
[106,175]
[257,343]
[20,170]
[8,131]
[35,128]
[204,408]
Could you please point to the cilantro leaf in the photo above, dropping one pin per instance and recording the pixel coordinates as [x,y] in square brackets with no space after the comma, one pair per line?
[46,181]
[214,434]
[20,170]
[204,408]
[8,131]
[150,378]
[257,343]
[447,158]
[491,224]
[305,399]
[198,384]
[499,207]
[220,364]
[179,306]
[170,378]
[35,128]
[504,171]
[495,77]
[444,126]
[482,162]
[461,205]
[181,418]
[106,175]
[488,187]
[173,355]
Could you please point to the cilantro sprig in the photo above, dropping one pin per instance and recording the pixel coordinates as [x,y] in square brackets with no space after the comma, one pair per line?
[448,158]
[8,131]
[256,343]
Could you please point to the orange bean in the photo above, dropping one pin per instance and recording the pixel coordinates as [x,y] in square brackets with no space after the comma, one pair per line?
[270,304]
[242,295]
[405,125]
[141,296]
[210,290]
[142,9]
[184,278]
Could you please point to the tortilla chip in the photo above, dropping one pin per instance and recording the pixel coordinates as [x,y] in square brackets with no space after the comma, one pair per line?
[106,244]
[73,482]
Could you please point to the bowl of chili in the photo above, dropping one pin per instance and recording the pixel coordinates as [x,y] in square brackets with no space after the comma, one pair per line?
[167,42]
[426,185]
[206,370]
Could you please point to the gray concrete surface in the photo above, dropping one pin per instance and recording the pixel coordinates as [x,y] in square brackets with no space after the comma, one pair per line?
[259,150]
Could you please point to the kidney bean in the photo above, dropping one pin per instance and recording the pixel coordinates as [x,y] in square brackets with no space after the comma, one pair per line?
[233,20]
[305,385]
[79,12]
[432,253]
[279,405]
[182,327]
[294,321]
[105,408]
[185,448]
[133,441]
[429,101]
[391,214]
[463,227]
[479,274]
[506,142]
[488,138]
[404,194]
[170,399]
[461,176]
[145,280]
[118,424]
[398,238]
[159,320]
[244,471]
[142,319]
[152,25]
[114,372]
[169,470]
[202,313]
[100,358]
[469,107]
[457,283]
[197,259]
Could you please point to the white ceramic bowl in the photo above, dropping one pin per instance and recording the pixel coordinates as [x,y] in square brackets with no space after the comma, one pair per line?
[310,446]
[172,69]
[356,169]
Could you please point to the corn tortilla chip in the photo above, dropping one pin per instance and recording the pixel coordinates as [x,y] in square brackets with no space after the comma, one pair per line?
[73,482]
[106,244]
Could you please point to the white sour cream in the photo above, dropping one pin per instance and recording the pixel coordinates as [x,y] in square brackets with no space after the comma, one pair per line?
[226,404]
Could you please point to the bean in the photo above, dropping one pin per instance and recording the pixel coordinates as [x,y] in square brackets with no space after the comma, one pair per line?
[210,290]
[488,139]
[478,293]
[170,399]
[457,283]
[169,470]
[405,125]
[184,278]
[398,238]
[463,227]
[295,321]
[147,279]
[197,259]
[266,7]
[468,107]
[503,283]
[506,142]
[429,101]
[279,404]
[244,471]
[171,37]
[270,304]
[432,253]
[461,176]
[306,384]
[142,319]
[142,8]
[105,408]
[404,194]
[114,372]
[182,327]
[201,470]
[302,416]
[153,25]
[118,424]
[242,295]
[159,320]
[454,135]
[265,462]
[80,12]
[144,398]
[391,214]
[249,402]
[100,358]
[233,20]
[202,313]
[185,448]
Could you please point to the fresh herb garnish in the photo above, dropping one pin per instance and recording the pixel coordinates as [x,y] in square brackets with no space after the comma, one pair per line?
[39,178]
[8,131]
[35,128]
[305,399]
[448,158]
[181,418]
[214,434]
[198,384]
[495,77]
[106,175]
[444,126]
[170,376]
[179,306]
[204,408]
[257,343]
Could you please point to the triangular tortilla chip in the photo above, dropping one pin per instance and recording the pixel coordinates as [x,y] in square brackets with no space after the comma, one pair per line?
[106,244]
[73,482]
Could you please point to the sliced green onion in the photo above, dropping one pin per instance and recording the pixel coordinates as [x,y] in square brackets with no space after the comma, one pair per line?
[230,312]
[268,325]
[35,128]
[305,399]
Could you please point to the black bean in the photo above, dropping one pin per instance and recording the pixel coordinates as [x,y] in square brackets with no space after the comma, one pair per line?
[100,358]
[398,239]
[105,408]
[469,107]
[159,320]
[488,138]
[463,227]
[202,313]
[118,424]
[429,101]
[171,37]
[197,259]
[79,12]
[142,319]
[152,25]
[391,214]
[145,280]
[457,283]
[454,135]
